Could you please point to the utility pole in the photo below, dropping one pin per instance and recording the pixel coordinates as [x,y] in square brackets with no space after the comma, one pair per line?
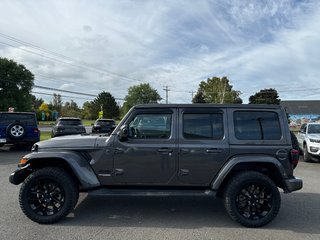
[167,90]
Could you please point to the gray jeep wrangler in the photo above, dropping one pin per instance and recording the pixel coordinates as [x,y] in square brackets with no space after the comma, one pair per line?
[241,153]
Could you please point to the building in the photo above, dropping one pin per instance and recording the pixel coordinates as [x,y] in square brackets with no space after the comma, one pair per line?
[302,111]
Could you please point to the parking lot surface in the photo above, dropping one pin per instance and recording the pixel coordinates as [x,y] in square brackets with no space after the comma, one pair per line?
[159,217]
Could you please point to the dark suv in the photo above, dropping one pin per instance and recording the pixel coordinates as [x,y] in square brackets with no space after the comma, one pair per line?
[241,153]
[18,127]
[67,126]
[104,126]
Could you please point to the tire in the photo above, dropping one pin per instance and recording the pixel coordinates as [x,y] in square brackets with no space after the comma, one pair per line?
[48,195]
[16,131]
[252,199]
[306,154]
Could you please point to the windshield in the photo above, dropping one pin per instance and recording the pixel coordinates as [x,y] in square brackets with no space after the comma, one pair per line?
[314,128]
[69,122]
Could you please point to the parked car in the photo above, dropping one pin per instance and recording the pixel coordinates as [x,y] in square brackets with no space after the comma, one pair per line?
[18,127]
[67,126]
[240,153]
[309,141]
[104,126]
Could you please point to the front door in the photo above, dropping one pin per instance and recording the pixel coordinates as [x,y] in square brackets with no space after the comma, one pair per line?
[203,147]
[148,155]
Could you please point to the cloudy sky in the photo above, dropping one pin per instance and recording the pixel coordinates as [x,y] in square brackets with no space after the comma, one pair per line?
[90,46]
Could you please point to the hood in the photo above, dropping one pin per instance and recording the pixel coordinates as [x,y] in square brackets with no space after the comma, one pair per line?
[73,142]
[314,136]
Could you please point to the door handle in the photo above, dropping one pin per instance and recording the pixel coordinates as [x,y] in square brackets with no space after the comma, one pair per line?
[165,150]
[184,151]
[184,172]
[214,150]
[118,171]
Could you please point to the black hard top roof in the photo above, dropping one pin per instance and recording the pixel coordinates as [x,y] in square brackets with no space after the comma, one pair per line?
[206,105]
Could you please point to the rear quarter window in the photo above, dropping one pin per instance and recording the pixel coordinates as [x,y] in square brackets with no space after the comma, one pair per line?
[26,119]
[254,125]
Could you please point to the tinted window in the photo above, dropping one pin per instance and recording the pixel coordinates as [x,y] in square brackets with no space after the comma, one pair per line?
[313,128]
[105,122]
[27,119]
[69,122]
[202,126]
[251,125]
[150,126]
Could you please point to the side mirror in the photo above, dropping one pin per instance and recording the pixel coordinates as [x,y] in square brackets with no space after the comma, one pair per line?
[123,133]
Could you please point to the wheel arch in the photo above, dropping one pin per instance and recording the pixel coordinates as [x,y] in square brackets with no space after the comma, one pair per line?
[74,164]
[266,165]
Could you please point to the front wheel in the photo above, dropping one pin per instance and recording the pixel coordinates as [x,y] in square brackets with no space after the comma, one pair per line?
[252,199]
[48,195]
[306,154]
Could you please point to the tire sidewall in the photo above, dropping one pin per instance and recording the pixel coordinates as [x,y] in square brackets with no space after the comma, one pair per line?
[9,135]
[64,181]
[237,185]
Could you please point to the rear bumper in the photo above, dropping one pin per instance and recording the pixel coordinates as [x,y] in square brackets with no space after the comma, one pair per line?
[293,184]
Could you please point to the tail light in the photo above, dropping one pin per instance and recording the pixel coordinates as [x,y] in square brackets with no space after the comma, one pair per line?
[294,157]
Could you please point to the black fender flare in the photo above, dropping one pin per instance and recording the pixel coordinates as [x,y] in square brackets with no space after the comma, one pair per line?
[234,161]
[79,166]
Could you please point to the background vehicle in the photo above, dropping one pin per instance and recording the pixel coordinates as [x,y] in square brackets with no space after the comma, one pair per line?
[67,126]
[18,127]
[309,141]
[241,153]
[104,126]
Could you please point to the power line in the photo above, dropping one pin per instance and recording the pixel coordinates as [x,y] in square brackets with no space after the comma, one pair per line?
[52,94]
[68,91]
[81,65]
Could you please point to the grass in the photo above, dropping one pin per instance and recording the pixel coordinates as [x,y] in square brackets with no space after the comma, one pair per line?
[45,136]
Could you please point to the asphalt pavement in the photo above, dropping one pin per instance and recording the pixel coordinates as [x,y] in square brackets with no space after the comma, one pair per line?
[159,217]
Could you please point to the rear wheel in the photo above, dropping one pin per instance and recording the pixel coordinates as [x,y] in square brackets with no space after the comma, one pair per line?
[48,195]
[252,199]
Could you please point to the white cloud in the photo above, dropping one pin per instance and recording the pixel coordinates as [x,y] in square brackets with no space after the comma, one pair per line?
[257,44]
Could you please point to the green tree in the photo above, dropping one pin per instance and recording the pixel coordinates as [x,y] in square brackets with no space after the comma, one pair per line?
[140,94]
[86,111]
[36,102]
[57,102]
[265,96]
[71,109]
[198,98]
[219,90]
[15,86]
[109,106]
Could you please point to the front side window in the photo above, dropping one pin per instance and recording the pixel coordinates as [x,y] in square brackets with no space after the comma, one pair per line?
[251,125]
[148,126]
[203,126]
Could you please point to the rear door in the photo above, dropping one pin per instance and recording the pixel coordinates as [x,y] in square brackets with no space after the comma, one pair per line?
[203,145]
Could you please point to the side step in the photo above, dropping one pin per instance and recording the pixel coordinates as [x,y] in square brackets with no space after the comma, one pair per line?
[150,192]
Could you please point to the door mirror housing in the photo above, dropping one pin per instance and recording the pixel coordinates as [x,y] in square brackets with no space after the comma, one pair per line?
[123,133]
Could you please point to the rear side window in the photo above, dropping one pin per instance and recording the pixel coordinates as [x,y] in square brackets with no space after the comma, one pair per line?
[203,126]
[251,125]
[26,119]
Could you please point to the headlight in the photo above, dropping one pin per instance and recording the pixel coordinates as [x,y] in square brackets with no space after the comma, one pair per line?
[314,140]
[34,148]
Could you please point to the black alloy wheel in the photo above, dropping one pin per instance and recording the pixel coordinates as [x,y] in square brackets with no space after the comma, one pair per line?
[48,195]
[252,199]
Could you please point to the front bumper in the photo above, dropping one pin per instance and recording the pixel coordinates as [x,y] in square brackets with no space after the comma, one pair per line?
[19,175]
[293,184]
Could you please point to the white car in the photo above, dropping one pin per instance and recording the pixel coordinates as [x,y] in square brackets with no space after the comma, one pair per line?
[309,140]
